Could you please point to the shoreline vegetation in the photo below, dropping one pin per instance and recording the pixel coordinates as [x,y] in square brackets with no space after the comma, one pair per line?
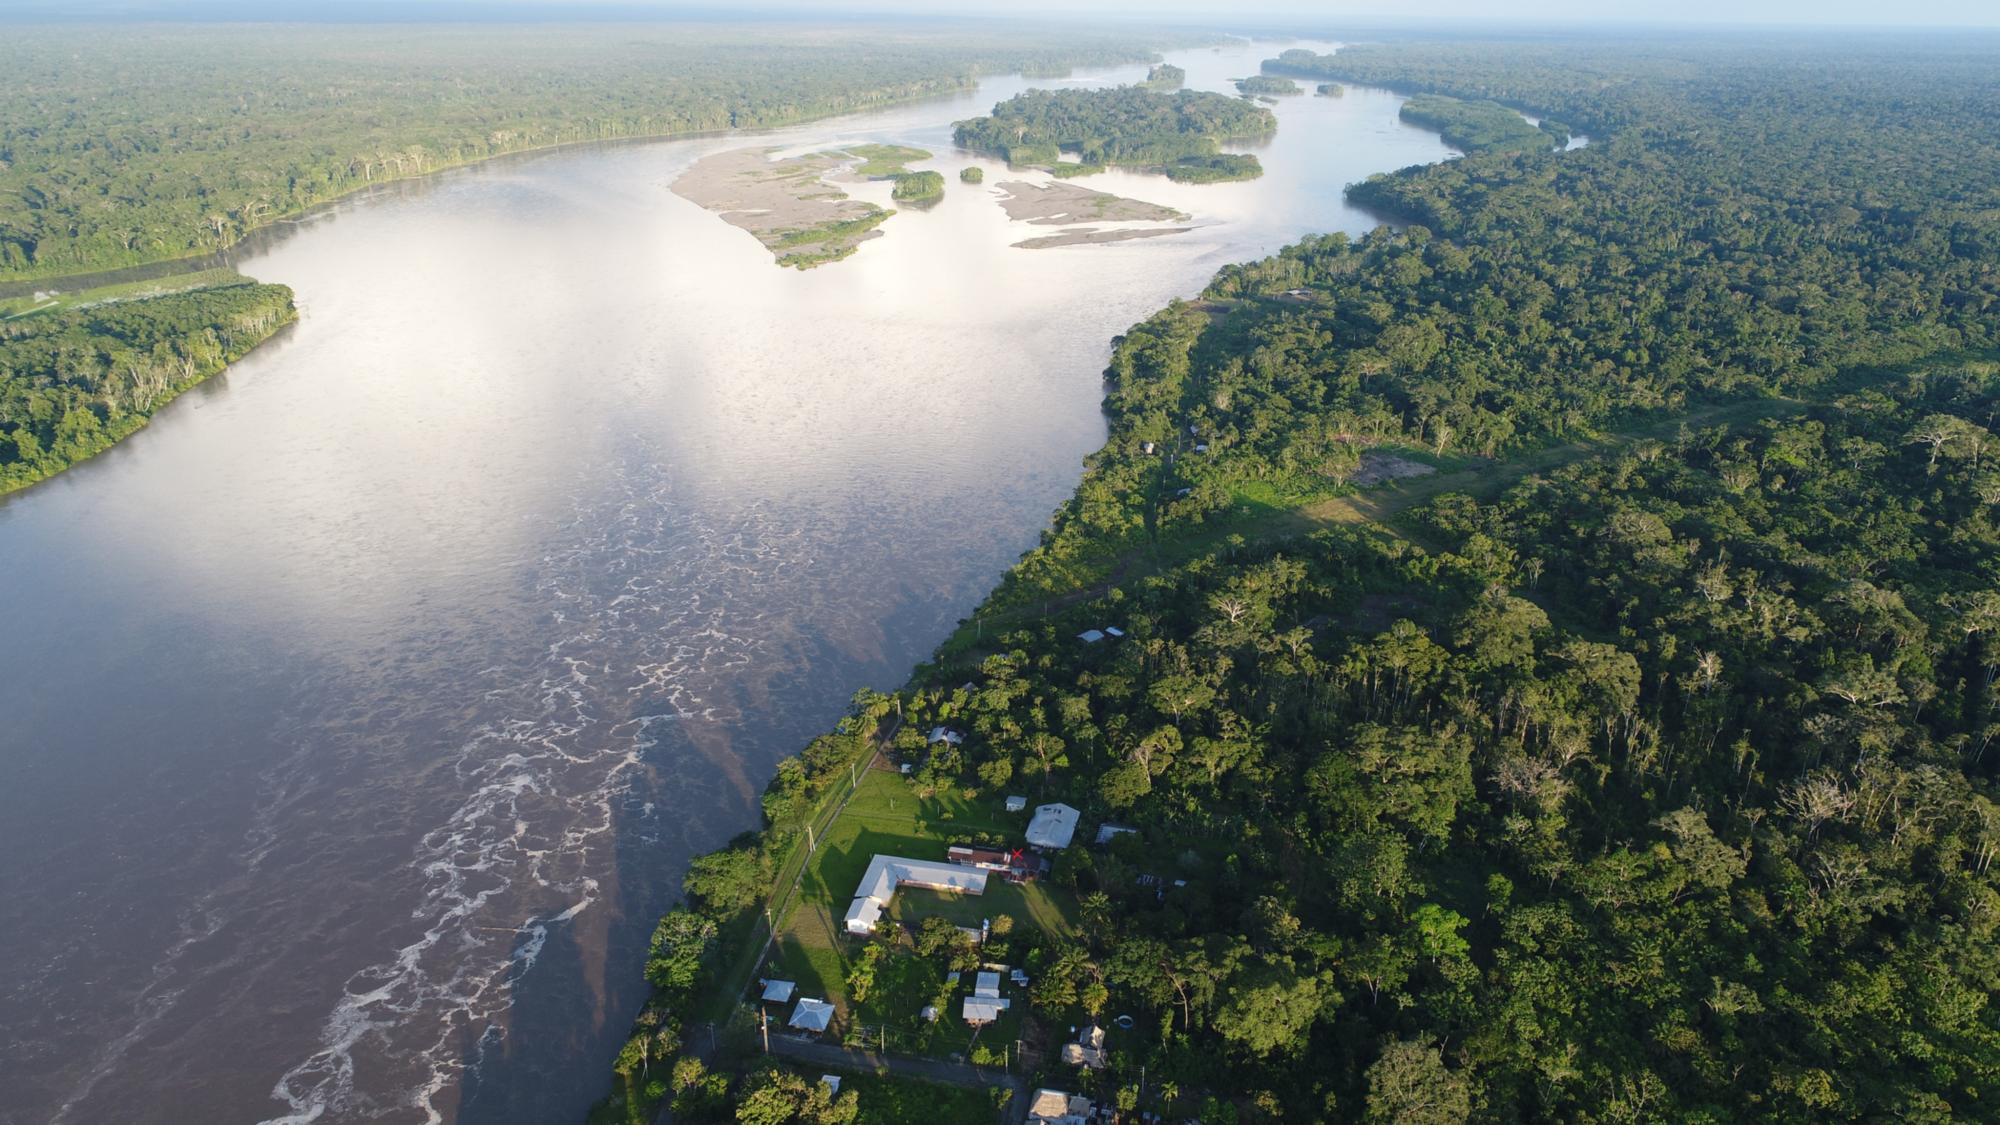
[917,187]
[244,130]
[1481,126]
[1178,135]
[1258,85]
[1678,672]
[76,380]
[365,106]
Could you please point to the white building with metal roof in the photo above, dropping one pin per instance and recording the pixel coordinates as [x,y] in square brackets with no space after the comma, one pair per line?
[1053,827]
[887,872]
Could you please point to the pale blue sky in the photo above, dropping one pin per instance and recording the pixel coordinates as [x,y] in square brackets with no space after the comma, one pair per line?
[1958,13]
[1329,13]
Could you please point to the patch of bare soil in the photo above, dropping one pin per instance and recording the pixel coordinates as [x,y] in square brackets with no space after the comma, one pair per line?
[1378,467]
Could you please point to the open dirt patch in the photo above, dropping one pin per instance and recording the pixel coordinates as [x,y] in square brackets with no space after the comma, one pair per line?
[1378,467]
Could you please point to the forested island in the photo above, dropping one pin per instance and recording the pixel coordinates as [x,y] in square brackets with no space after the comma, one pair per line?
[1126,126]
[1481,126]
[1633,764]
[1266,84]
[917,187]
[1301,63]
[200,133]
[73,382]
[1165,77]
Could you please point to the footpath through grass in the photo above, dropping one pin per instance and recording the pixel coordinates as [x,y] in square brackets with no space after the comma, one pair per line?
[54,299]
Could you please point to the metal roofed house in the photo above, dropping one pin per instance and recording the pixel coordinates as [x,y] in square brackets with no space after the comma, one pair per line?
[986,986]
[1058,1107]
[1016,866]
[946,735]
[1090,636]
[979,1010]
[1016,804]
[777,991]
[811,1015]
[1088,1050]
[832,1082]
[1053,827]
[1109,832]
[887,872]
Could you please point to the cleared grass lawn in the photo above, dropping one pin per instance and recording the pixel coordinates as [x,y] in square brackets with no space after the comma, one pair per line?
[125,291]
[886,1100]
[887,817]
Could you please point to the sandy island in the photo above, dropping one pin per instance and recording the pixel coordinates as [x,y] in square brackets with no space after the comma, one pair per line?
[1083,236]
[786,204]
[1059,204]
[1063,204]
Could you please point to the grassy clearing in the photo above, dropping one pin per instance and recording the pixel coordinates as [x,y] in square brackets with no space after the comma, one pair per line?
[880,162]
[1268,513]
[910,1101]
[887,816]
[56,300]
[886,1100]
[827,232]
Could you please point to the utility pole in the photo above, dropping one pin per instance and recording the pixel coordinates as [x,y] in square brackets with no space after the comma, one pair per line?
[764,1022]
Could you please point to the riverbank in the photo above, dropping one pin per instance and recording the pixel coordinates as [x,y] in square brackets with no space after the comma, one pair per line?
[543,429]
[77,381]
[372,123]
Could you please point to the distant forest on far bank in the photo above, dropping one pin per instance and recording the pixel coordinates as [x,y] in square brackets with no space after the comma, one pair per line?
[126,144]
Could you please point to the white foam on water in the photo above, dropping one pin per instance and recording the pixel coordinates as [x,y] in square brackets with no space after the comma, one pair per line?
[542,782]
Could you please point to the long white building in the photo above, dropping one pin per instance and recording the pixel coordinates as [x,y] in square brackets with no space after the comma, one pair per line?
[887,872]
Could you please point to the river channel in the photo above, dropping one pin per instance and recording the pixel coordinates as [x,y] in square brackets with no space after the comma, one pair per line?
[362,712]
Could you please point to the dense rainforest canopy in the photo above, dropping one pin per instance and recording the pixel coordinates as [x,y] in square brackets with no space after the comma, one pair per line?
[1481,126]
[74,382]
[1128,125]
[1266,84]
[122,145]
[1301,63]
[1644,770]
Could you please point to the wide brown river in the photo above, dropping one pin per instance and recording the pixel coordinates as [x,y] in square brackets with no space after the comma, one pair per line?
[358,717]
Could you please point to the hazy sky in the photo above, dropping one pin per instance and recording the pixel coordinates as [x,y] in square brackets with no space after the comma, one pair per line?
[1829,13]
[1960,13]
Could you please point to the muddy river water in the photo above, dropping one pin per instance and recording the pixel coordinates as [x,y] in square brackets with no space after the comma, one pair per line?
[361,714]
